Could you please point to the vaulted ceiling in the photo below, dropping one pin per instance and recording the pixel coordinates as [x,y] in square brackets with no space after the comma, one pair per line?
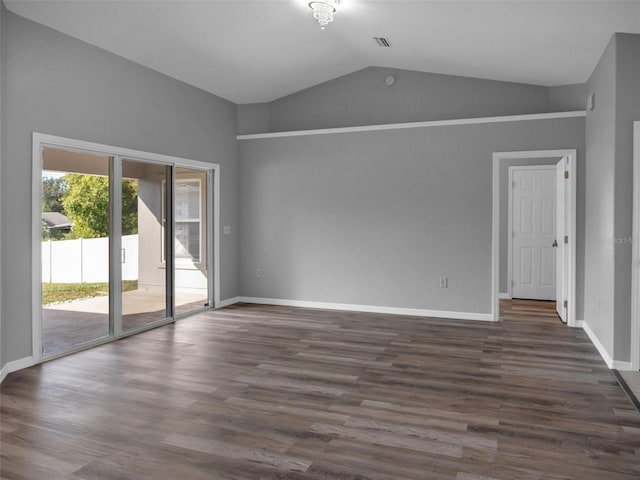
[257,51]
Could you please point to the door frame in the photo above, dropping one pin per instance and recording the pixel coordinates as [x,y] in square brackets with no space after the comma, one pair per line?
[635,253]
[513,168]
[39,141]
[570,212]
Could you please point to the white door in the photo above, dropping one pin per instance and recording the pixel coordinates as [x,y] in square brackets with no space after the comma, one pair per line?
[561,231]
[533,232]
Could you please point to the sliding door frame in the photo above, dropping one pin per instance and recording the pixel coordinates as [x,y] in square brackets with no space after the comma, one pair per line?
[117,154]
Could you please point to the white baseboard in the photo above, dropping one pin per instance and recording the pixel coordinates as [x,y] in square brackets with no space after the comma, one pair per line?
[16,365]
[611,363]
[596,342]
[504,296]
[485,317]
[228,302]
[622,366]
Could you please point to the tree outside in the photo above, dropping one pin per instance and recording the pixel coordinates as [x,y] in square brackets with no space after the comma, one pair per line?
[53,192]
[84,199]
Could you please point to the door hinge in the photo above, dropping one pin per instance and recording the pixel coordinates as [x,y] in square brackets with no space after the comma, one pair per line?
[566,174]
[566,239]
[565,304]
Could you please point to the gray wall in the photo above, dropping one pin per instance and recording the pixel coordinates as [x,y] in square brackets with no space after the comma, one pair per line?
[2,14]
[599,222]
[253,118]
[362,98]
[567,98]
[58,85]
[609,153]
[376,218]
[627,110]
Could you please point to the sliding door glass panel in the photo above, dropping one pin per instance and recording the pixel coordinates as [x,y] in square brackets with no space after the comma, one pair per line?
[143,256]
[190,219]
[75,249]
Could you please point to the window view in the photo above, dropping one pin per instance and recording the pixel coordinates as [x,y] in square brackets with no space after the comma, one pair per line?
[77,246]
[190,273]
[187,220]
[143,245]
[75,249]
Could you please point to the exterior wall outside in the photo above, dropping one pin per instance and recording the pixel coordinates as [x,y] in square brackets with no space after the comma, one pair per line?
[152,265]
[375,218]
[57,85]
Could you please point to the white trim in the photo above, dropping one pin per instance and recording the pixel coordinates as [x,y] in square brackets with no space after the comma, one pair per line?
[111,150]
[571,215]
[228,302]
[504,296]
[611,363]
[512,169]
[36,248]
[115,246]
[635,254]
[39,141]
[622,366]
[596,343]
[16,365]
[213,224]
[495,240]
[401,126]
[416,312]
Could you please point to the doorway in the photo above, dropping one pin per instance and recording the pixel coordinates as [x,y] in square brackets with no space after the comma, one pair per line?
[560,161]
[75,255]
[532,232]
[113,230]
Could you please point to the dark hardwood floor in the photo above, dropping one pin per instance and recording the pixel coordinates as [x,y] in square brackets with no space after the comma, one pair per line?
[266,393]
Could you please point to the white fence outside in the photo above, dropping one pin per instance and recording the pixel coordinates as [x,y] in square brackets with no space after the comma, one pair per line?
[86,260]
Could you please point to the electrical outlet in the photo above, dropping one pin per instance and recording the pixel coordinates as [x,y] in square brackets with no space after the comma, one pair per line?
[258,274]
[444,282]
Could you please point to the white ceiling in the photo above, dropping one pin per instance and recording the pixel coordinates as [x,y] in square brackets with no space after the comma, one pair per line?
[257,51]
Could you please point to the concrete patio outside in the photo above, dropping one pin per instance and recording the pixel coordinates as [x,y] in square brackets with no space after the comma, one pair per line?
[69,324]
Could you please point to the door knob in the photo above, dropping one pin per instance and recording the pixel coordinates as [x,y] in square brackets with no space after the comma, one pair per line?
[555,243]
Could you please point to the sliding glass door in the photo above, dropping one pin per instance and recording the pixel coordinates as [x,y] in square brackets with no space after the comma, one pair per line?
[191,275]
[75,249]
[124,246]
[144,254]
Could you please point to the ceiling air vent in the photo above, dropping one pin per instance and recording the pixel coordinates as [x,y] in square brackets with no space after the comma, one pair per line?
[382,42]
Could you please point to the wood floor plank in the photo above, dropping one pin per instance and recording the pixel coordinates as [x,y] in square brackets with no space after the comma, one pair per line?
[280,393]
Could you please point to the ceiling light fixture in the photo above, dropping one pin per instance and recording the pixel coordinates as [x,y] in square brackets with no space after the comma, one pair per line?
[323,11]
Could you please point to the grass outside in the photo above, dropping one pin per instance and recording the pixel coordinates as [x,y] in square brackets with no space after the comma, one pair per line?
[63,292]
